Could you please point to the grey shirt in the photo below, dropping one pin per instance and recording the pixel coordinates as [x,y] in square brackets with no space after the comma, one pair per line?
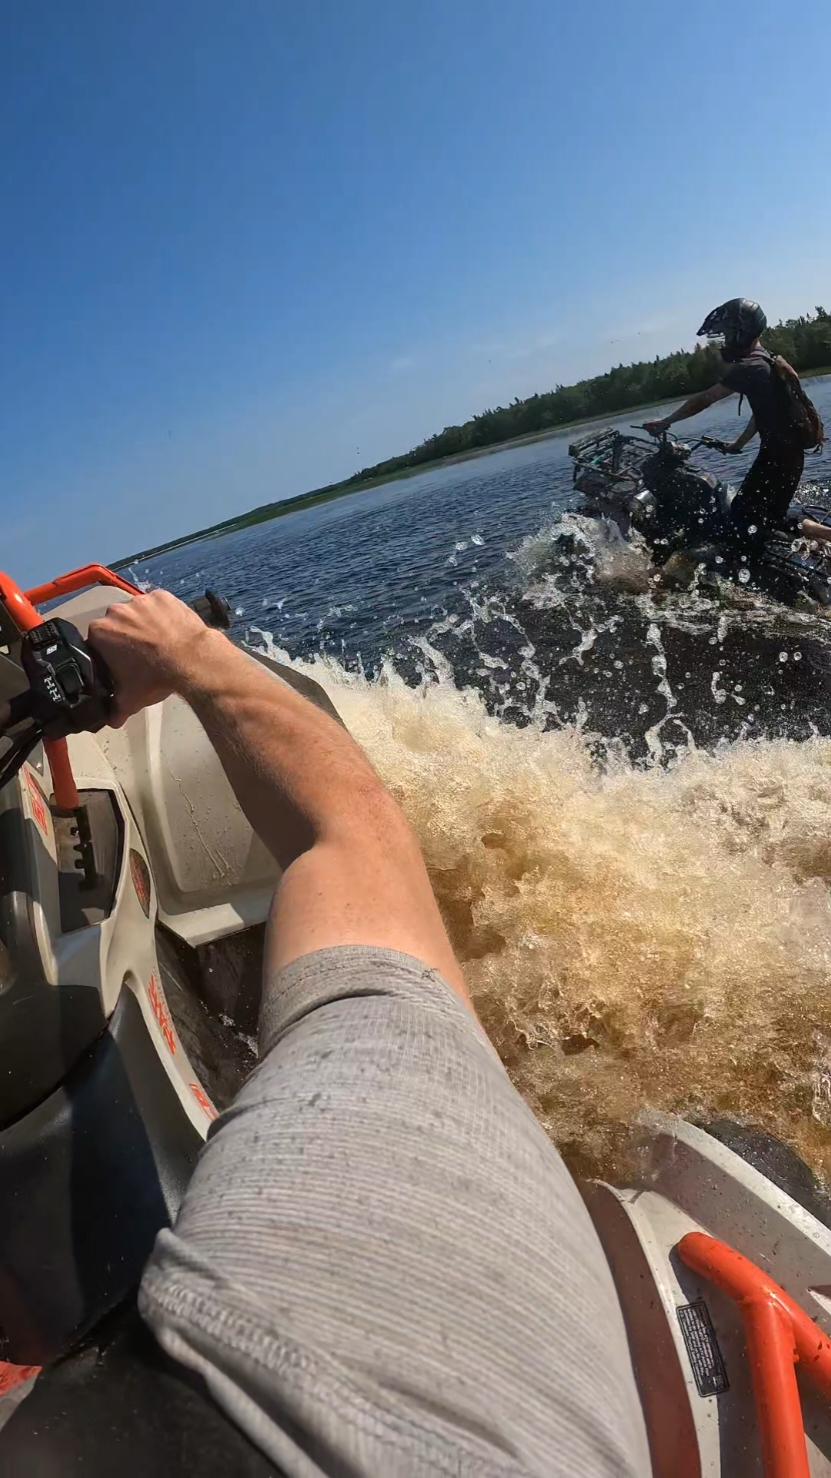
[382,1267]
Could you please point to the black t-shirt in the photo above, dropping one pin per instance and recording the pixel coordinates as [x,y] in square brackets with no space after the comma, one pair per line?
[754,377]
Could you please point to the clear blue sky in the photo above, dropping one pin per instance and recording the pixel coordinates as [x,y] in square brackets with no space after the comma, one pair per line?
[248,248]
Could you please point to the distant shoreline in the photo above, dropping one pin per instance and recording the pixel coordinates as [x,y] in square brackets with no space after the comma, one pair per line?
[268,511]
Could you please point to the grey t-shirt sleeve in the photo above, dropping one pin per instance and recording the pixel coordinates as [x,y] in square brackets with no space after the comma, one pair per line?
[381,1266]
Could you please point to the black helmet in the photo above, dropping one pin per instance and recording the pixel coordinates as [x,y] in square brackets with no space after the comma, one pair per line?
[739,322]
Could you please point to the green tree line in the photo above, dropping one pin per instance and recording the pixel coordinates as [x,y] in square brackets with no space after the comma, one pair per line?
[805,342]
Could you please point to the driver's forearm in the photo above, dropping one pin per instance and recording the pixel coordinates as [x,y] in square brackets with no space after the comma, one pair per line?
[352,868]
[295,772]
[692,407]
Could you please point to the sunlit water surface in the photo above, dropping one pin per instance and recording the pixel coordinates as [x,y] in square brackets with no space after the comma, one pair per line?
[624,800]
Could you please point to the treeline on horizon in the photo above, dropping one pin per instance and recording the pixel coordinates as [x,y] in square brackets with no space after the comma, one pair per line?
[805,342]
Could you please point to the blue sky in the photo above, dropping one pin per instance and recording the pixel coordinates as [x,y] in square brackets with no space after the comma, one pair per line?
[249,248]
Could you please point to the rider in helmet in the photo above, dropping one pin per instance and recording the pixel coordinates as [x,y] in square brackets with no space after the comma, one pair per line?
[761,503]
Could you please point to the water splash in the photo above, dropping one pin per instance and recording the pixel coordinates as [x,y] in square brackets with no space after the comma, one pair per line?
[631,936]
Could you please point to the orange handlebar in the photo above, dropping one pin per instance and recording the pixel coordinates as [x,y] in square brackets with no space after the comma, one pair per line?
[779,1333]
[79,580]
[18,605]
[21,608]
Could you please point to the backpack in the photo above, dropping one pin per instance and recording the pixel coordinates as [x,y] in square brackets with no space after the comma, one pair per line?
[802,413]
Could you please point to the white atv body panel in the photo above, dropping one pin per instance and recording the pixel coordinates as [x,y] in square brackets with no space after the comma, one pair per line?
[213,875]
[692,1182]
[121,949]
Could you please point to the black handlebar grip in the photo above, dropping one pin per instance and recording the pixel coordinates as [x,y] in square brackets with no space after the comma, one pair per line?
[213,609]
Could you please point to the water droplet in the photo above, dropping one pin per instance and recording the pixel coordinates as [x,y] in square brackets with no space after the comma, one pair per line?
[744,576]
[783,656]
[797,656]
[618,664]
[720,561]
[751,529]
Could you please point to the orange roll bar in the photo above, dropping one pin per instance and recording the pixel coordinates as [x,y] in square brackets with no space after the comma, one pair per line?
[79,580]
[18,605]
[779,1334]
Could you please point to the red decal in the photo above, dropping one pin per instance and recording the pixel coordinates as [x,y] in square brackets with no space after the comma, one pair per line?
[37,802]
[141,880]
[14,1375]
[203,1100]
[160,1013]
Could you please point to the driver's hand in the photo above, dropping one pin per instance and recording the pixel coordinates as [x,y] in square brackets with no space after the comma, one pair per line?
[731,448]
[150,644]
[656,428]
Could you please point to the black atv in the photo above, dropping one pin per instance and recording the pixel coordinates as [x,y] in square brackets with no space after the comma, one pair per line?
[651,485]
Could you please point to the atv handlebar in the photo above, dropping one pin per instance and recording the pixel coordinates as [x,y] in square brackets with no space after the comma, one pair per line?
[713,442]
[716,443]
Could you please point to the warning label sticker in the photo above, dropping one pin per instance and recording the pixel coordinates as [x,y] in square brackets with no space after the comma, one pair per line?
[702,1347]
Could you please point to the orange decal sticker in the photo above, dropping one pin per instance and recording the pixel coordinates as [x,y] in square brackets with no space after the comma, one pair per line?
[37,801]
[141,880]
[160,1013]
[14,1375]
[203,1100]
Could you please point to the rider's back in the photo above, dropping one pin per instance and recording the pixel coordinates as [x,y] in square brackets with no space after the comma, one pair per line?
[755,377]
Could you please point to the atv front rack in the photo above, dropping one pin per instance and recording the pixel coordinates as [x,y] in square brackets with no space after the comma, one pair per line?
[609,457]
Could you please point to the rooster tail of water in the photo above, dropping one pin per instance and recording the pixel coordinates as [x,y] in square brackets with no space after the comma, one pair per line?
[633,937]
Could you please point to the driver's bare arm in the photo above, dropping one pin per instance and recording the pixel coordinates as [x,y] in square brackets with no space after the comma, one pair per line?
[692,407]
[352,869]
[747,435]
[331,1271]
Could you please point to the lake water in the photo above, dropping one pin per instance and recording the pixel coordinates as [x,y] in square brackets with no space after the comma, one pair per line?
[624,800]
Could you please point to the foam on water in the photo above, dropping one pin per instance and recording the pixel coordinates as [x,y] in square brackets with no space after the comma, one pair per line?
[632,935]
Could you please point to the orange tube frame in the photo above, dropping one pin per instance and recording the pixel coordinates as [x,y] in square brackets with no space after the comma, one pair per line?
[79,580]
[21,608]
[779,1334]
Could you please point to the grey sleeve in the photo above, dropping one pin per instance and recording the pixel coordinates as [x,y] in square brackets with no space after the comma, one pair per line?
[381,1266]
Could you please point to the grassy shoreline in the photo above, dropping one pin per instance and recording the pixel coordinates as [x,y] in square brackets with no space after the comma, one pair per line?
[267,511]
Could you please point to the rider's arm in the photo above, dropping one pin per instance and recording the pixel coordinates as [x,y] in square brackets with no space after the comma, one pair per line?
[747,435]
[331,1271]
[352,869]
[691,407]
